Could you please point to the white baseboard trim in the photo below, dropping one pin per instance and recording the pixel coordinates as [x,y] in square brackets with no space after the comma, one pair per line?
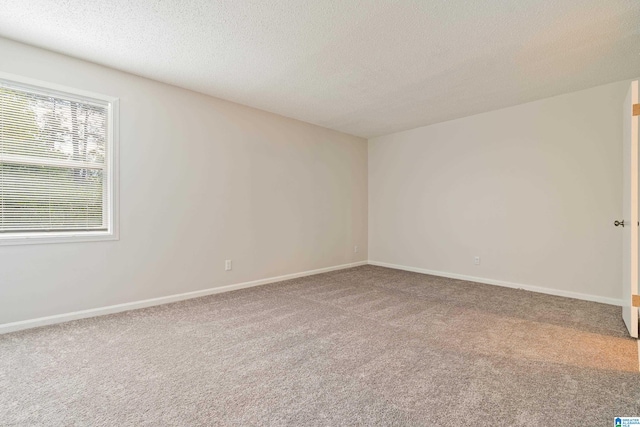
[549,291]
[101,311]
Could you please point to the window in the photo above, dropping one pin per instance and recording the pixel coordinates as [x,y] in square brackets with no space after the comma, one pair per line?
[57,163]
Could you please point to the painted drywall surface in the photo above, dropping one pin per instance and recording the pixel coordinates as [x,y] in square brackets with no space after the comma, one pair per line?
[533,190]
[201,180]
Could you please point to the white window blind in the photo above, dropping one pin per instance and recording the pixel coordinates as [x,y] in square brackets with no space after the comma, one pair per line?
[53,161]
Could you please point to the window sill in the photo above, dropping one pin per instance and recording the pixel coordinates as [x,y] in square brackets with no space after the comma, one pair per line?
[66,237]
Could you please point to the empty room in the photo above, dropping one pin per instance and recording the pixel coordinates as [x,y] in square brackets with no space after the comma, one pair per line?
[319,213]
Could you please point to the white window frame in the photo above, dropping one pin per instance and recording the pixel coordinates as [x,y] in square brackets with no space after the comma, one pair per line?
[111,157]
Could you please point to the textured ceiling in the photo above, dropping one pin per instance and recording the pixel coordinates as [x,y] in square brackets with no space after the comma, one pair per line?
[363,67]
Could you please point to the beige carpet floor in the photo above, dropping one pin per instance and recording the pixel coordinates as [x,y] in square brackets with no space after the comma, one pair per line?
[364,346]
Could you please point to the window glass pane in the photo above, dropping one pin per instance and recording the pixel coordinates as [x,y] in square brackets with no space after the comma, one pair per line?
[50,198]
[52,162]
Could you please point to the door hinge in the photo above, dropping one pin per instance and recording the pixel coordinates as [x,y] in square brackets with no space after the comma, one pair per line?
[636,109]
[635,300]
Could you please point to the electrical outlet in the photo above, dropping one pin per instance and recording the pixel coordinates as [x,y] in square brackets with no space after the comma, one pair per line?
[227,265]
[355,249]
[476,260]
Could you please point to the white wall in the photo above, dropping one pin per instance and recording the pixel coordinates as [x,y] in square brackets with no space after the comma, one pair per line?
[532,189]
[201,180]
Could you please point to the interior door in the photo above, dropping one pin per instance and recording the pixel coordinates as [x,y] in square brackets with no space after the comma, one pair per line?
[630,211]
